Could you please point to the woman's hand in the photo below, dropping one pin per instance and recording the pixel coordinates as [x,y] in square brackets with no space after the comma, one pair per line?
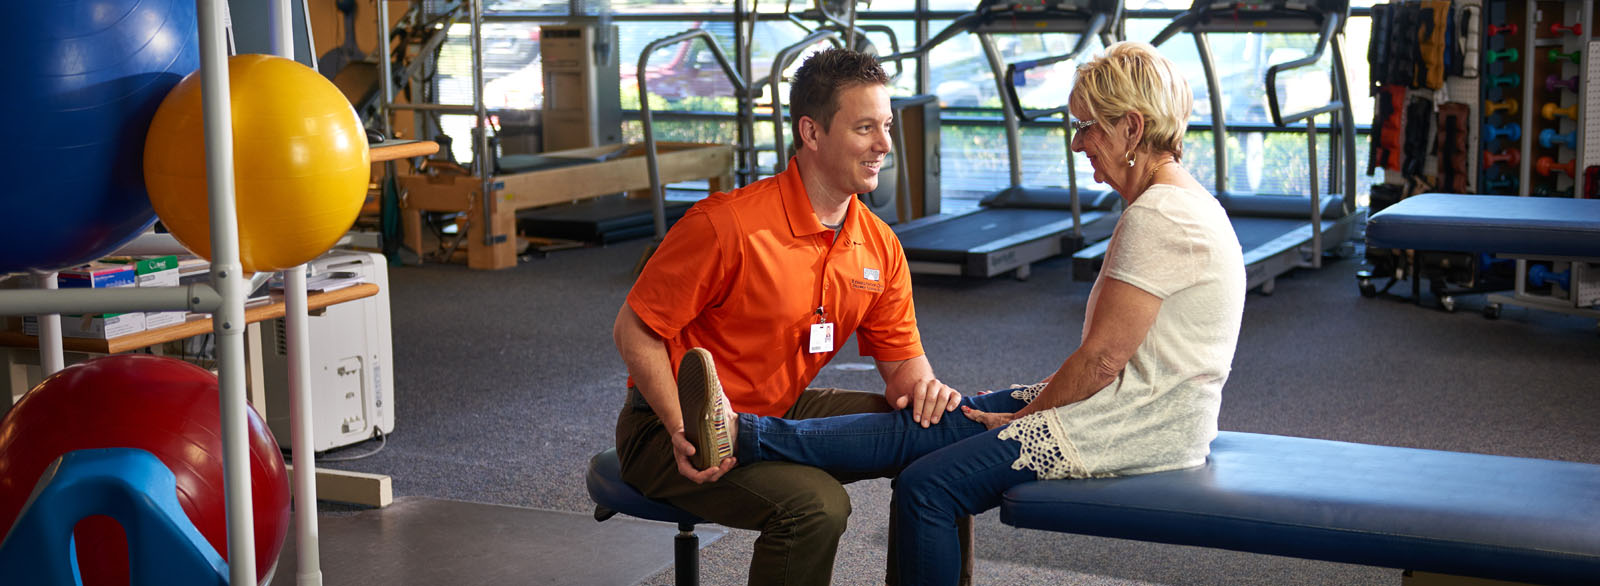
[989,420]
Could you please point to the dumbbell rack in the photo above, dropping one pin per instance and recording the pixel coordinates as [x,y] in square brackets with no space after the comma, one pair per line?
[1554,79]
[1560,123]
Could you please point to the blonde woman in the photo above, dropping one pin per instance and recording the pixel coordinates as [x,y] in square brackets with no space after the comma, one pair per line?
[1139,395]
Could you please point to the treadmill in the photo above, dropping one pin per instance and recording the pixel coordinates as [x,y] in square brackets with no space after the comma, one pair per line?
[1278,232]
[1017,226]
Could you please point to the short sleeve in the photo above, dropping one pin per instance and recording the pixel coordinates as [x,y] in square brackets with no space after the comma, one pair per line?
[889,330]
[1153,252]
[687,274]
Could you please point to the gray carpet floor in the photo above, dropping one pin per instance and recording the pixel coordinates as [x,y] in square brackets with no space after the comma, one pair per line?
[507,381]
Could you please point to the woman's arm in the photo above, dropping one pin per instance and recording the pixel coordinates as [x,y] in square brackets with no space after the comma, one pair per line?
[1122,317]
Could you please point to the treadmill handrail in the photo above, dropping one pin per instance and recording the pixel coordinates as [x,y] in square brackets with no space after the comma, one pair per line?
[658,196]
[1330,27]
[1096,26]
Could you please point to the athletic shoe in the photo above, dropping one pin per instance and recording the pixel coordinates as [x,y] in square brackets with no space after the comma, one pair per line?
[703,404]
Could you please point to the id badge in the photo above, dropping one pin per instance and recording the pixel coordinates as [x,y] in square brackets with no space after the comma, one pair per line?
[821,338]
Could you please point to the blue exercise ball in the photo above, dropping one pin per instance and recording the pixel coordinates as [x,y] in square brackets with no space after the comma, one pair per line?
[84,78]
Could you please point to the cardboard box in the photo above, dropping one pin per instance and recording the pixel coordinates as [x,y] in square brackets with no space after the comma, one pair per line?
[156,271]
[100,326]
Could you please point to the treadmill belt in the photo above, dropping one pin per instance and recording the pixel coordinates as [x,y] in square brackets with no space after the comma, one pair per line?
[1254,232]
[953,239]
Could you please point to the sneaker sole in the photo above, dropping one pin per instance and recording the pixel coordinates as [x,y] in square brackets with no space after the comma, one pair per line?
[703,426]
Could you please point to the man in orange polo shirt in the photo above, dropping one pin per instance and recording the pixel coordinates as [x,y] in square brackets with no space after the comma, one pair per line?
[771,279]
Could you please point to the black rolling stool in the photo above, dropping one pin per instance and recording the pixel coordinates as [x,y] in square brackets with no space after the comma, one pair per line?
[611,496]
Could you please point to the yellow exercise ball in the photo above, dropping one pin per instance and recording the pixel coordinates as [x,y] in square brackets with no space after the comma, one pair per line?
[300,157]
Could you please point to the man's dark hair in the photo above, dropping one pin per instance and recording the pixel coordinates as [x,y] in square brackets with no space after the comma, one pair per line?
[814,90]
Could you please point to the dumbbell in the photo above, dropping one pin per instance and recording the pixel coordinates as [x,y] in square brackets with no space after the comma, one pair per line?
[1550,112]
[1512,131]
[1502,55]
[1549,138]
[1508,80]
[1540,275]
[1502,183]
[1555,83]
[1546,165]
[1496,29]
[1548,191]
[1575,28]
[1555,56]
[1509,157]
[1508,105]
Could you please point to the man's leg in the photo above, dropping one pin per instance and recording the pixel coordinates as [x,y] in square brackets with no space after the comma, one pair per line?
[800,511]
[938,490]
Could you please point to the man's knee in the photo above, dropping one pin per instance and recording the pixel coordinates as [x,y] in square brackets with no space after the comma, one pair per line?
[823,513]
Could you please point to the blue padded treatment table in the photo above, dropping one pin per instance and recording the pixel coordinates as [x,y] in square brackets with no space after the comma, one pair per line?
[1443,512]
[1498,224]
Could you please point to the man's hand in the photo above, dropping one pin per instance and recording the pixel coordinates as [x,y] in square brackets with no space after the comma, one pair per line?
[989,420]
[929,400]
[682,449]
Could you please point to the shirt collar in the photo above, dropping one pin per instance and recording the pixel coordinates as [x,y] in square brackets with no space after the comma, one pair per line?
[802,218]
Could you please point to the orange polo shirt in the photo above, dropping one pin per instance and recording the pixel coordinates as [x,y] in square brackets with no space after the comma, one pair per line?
[742,275]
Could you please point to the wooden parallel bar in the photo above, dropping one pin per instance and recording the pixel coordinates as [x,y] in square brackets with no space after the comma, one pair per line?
[403,149]
[190,328]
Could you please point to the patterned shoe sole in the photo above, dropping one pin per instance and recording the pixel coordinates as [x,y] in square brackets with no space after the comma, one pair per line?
[700,399]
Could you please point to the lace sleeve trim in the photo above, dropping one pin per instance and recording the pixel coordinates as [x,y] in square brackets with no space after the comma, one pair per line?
[1047,448]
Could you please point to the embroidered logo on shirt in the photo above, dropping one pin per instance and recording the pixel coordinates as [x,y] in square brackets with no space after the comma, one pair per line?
[869,274]
[868,286]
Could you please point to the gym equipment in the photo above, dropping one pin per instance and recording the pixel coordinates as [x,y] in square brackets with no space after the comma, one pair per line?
[1498,29]
[1502,55]
[1575,29]
[125,484]
[1510,157]
[1550,111]
[1548,191]
[1278,233]
[611,496]
[160,405]
[1555,56]
[1546,166]
[1018,225]
[1508,106]
[1540,275]
[1452,513]
[83,89]
[1502,184]
[1511,131]
[1523,228]
[1506,80]
[301,163]
[1549,138]
[1554,82]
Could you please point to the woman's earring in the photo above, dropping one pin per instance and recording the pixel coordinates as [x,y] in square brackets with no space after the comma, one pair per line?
[1130,159]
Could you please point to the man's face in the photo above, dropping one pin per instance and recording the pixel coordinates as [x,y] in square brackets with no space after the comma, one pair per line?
[852,149]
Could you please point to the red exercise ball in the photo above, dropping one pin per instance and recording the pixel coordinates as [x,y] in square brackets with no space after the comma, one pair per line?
[167,407]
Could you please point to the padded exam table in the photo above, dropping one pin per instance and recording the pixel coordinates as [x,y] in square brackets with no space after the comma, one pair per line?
[1523,228]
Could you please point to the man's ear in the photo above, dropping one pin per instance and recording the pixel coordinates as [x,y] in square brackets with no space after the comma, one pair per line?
[808,132]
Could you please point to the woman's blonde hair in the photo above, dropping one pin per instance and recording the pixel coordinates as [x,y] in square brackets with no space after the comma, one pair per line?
[1132,76]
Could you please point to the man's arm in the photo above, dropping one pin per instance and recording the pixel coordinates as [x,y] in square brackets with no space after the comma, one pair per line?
[645,353]
[911,383]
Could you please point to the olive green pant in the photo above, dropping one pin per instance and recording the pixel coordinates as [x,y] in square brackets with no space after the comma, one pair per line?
[800,511]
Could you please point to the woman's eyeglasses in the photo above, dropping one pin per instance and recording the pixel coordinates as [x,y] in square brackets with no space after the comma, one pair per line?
[1079,125]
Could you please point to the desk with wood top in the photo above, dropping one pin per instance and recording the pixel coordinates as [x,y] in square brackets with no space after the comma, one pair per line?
[337,485]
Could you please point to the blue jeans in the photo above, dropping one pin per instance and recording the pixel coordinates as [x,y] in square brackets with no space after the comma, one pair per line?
[952,469]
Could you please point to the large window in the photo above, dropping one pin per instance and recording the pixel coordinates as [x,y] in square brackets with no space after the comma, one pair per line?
[694,102]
